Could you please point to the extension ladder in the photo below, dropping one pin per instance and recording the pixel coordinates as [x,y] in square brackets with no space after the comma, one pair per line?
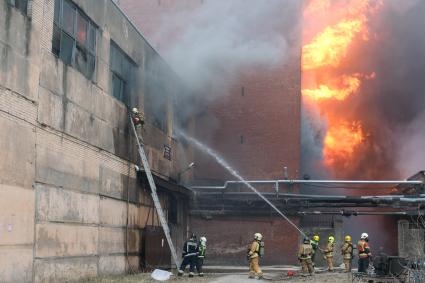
[140,145]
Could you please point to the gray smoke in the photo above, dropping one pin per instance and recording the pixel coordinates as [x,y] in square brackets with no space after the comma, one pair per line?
[313,129]
[218,39]
[398,95]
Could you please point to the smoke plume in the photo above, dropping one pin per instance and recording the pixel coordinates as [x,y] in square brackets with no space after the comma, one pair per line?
[218,39]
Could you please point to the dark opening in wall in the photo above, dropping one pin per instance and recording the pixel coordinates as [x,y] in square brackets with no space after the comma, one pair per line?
[74,38]
[242,91]
[242,139]
[21,5]
[122,70]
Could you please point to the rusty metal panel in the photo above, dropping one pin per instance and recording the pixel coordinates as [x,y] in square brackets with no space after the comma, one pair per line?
[156,251]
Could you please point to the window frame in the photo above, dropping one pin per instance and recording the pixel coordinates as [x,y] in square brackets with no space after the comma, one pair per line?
[24,11]
[124,96]
[89,50]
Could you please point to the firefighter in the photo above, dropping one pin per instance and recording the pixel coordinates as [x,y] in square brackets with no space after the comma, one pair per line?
[202,247]
[364,252]
[137,117]
[254,253]
[304,256]
[347,253]
[190,256]
[329,253]
[314,244]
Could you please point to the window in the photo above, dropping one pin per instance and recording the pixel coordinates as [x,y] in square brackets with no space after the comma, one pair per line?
[74,38]
[21,5]
[122,69]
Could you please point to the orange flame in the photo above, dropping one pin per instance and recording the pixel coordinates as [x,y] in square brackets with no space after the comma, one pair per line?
[330,47]
[323,55]
[350,85]
[341,142]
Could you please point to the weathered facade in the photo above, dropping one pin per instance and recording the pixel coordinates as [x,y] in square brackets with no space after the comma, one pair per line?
[71,205]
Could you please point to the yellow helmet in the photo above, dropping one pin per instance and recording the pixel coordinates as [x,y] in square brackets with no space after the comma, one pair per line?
[331,239]
[348,238]
[316,238]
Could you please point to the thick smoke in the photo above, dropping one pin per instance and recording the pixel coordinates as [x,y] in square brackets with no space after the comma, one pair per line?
[313,129]
[396,98]
[218,39]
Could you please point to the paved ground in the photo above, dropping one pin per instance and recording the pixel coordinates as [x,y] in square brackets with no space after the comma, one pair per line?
[336,277]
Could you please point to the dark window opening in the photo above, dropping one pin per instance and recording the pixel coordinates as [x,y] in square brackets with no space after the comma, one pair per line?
[122,69]
[74,38]
[242,139]
[172,210]
[243,91]
[21,5]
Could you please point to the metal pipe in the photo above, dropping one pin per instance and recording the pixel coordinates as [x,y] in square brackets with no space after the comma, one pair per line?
[293,182]
[406,198]
[356,213]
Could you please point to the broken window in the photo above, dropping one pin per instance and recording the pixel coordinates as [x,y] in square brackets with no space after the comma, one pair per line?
[74,38]
[157,95]
[122,69]
[21,5]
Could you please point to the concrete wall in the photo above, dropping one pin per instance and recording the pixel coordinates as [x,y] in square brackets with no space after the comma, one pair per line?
[70,204]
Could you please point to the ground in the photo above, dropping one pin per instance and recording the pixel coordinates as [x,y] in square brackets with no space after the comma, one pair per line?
[323,277]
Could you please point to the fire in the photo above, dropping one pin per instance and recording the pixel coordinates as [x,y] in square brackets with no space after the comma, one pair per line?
[341,142]
[330,47]
[316,6]
[341,25]
[350,85]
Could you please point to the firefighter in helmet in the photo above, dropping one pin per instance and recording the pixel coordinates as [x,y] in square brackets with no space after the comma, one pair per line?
[202,247]
[347,253]
[329,253]
[314,244]
[364,252]
[305,253]
[137,117]
[254,254]
[190,255]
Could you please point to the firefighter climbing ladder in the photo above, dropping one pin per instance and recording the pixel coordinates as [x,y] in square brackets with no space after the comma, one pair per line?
[164,224]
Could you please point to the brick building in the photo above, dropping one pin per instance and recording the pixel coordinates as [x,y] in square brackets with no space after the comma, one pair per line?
[71,205]
[257,131]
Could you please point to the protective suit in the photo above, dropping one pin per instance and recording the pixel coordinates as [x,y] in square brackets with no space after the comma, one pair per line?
[304,255]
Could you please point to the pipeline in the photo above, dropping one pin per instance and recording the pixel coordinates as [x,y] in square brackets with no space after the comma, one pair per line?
[223,163]
[296,182]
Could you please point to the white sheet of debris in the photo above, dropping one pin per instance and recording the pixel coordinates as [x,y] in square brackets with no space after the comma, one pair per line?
[161,275]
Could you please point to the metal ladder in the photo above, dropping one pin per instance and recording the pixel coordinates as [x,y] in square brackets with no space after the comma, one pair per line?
[154,194]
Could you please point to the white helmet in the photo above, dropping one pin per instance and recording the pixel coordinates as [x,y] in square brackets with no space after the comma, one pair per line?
[135,110]
[364,236]
[203,240]
[258,236]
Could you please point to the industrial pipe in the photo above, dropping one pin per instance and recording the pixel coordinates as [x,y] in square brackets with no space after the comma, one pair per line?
[356,213]
[294,182]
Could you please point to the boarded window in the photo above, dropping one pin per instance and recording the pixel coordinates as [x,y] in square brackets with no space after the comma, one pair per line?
[122,69]
[74,38]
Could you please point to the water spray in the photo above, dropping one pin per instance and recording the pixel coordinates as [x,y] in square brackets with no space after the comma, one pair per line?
[223,163]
